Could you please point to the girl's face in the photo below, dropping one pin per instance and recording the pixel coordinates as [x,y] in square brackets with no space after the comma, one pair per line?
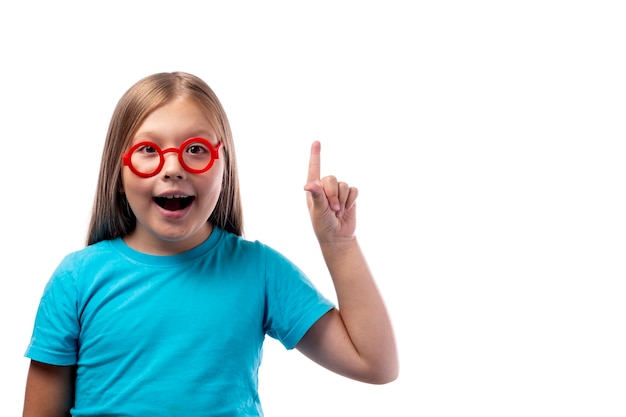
[173,206]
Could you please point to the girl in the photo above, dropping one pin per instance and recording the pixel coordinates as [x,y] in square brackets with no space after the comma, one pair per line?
[164,312]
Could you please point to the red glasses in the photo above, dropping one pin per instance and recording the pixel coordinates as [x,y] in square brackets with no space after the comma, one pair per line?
[196,155]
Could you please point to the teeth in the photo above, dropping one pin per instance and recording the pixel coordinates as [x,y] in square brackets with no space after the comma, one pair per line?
[174,196]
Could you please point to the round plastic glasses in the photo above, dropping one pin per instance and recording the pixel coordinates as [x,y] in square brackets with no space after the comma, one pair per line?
[146,159]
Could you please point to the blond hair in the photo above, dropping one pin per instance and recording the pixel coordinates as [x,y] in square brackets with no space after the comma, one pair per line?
[111,216]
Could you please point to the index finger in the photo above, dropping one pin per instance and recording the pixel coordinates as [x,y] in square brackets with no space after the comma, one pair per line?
[314,163]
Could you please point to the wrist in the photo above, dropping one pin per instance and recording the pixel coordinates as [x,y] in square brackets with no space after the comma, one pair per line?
[339,245]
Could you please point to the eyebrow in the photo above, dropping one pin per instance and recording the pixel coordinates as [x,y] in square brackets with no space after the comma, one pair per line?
[152,136]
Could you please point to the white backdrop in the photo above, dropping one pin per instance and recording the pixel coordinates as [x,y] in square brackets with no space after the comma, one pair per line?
[486,138]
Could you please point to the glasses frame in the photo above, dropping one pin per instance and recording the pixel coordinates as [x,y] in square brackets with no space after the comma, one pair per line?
[215,154]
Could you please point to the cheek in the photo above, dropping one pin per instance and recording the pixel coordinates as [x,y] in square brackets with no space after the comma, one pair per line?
[212,186]
[126,182]
[134,187]
[216,176]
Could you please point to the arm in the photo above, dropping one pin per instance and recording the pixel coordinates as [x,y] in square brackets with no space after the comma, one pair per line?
[356,340]
[49,390]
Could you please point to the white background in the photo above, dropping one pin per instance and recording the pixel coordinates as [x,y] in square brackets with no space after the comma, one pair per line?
[486,138]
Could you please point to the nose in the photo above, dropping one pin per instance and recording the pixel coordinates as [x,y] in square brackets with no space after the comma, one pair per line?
[172,169]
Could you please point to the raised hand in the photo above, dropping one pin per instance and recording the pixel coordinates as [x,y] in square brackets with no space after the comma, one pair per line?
[356,339]
[331,203]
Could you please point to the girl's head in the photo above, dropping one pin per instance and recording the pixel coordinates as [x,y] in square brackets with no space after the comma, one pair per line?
[112,216]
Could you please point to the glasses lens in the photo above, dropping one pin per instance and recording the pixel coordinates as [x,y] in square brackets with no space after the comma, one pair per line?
[197,156]
[145,159]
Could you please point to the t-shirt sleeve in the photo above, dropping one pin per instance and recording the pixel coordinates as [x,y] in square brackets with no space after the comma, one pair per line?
[56,328]
[293,303]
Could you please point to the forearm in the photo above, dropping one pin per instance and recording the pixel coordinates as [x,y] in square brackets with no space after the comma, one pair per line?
[361,305]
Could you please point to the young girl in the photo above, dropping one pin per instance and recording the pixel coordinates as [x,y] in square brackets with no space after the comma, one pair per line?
[164,312]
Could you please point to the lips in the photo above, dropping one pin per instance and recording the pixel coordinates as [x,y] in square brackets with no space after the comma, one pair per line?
[174,202]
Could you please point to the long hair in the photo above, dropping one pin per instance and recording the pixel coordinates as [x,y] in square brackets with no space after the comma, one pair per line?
[111,216]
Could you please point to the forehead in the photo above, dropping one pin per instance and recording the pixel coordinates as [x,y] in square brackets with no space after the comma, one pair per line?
[179,118]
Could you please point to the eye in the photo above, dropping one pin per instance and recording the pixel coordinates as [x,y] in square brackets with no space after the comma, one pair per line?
[196,149]
[148,149]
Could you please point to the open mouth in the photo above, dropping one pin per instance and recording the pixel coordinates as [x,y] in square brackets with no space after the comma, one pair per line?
[173,203]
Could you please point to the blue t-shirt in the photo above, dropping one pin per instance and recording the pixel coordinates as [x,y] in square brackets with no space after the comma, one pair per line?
[174,335]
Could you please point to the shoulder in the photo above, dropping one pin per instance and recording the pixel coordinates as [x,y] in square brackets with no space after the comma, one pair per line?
[104,248]
[241,248]
[241,245]
[92,256]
